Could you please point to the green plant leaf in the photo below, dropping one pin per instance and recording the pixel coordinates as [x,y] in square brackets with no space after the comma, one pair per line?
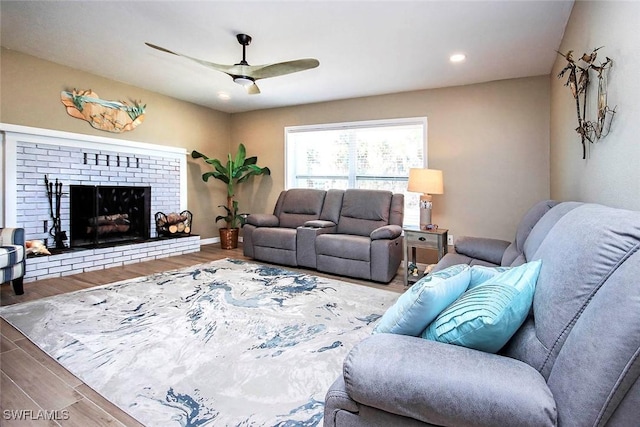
[241,154]
[238,169]
[250,161]
[254,170]
[216,175]
[196,155]
[218,166]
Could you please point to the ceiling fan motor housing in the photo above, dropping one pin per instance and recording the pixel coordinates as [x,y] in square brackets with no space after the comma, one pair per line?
[244,39]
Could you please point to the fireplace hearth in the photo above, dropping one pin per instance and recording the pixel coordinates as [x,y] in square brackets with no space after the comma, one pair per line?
[106,215]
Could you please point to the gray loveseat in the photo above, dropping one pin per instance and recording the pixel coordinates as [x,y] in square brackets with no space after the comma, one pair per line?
[355,233]
[574,362]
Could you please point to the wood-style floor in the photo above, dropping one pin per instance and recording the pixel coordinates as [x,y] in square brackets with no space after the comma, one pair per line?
[34,386]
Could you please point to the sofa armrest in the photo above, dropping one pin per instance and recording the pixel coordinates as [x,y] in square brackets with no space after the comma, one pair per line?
[444,384]
[319,223]
[12,236]
[490,250]
[263,220]
[386,232]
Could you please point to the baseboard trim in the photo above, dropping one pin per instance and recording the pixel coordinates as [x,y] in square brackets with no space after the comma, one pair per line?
[213,240]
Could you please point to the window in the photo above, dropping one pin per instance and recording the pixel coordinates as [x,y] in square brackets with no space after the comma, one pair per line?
[372,155]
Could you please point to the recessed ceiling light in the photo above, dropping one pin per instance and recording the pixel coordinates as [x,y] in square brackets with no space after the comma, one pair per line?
[458,57]
[224,96]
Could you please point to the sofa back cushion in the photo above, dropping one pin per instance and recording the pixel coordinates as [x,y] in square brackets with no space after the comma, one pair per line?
[529,220]
[597,370]
[544,225]
[298,205]
[396,216]
[332,206]
[363,211]
[582,336]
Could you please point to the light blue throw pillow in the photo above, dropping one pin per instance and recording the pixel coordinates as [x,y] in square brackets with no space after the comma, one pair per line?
[487,316]
[421,303]
[480,274]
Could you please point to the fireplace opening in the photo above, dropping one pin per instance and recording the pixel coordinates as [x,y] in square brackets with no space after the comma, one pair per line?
[104,215]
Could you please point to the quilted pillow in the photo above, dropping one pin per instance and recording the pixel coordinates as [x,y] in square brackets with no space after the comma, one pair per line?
[422,303]
[487,316]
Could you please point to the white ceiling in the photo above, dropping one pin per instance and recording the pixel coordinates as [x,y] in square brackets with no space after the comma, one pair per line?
[364,47]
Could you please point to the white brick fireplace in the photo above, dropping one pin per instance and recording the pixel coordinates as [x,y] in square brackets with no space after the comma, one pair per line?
[28,154]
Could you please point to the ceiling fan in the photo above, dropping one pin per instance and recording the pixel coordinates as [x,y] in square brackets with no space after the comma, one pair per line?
[245,74]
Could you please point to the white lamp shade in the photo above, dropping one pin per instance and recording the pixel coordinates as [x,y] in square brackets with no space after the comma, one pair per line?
[426,181]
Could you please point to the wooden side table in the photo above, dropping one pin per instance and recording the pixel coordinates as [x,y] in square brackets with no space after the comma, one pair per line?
[415,238]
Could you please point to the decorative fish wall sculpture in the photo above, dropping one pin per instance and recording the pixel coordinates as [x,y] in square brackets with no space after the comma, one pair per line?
[110,116]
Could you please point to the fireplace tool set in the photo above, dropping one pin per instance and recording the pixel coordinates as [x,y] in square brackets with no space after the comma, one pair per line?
[54,193]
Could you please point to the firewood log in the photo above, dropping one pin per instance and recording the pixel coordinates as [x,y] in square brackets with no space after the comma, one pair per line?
[173,218]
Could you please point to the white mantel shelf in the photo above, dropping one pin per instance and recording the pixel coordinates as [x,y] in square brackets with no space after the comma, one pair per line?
[57,137]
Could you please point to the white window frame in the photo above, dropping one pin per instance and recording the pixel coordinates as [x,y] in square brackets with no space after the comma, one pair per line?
[288,130]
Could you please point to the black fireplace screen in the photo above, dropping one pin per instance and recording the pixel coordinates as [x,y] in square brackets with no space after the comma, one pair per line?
[102,215]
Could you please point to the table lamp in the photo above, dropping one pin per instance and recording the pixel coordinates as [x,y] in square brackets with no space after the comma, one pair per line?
[427,182]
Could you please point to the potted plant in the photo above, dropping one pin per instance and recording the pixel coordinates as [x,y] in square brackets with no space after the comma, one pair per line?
[237,170]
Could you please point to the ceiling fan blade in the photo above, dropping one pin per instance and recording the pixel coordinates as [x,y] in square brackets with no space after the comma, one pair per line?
[253,89]
[228,69]
[242,72]
[161,49]
[282,68]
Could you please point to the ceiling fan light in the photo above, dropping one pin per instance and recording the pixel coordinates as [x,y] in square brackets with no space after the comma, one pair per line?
[243,80]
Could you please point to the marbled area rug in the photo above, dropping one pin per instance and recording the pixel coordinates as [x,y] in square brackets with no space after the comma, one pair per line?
[228,343]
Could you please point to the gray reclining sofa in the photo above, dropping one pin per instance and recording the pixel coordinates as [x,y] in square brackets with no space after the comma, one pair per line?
[495,252]
[574,362]
[355,233]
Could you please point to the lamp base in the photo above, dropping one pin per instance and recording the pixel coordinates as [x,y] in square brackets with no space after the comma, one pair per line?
[425,211]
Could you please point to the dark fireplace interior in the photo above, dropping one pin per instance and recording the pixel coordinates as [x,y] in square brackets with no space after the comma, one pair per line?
[105,215]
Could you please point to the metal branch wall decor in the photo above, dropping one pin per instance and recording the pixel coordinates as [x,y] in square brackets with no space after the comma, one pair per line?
[578,80]
[111,116]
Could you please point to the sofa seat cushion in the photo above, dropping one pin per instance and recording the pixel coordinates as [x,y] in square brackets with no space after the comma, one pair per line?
[345,246]
[453,258]
[279,238]
[11,255]
[263,220]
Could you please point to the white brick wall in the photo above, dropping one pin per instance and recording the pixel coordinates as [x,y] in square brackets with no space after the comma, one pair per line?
[67,165]
[28,154]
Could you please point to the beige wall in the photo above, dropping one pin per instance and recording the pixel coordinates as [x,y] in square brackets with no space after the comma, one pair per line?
[611,172]
[491,140]
[30,96]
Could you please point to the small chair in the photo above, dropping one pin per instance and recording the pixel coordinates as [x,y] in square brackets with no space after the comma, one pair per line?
[12,257]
